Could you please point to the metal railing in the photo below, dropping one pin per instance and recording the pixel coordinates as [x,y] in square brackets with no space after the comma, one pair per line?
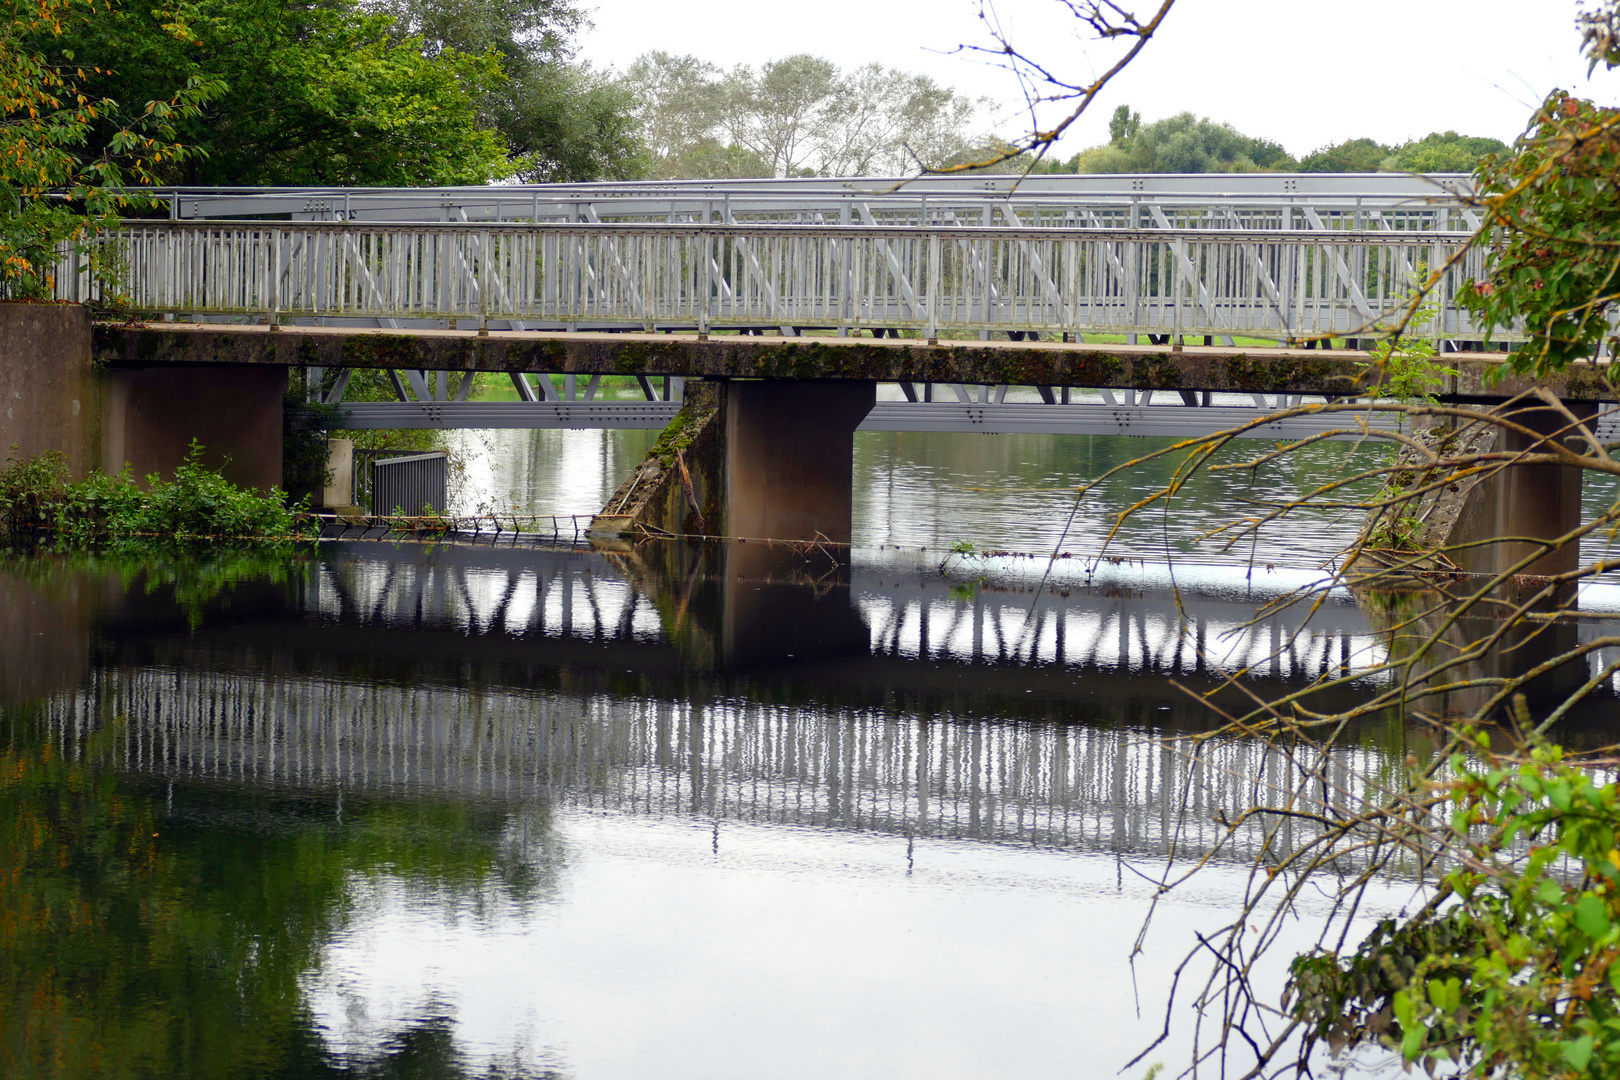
[412,484]
[1277,284]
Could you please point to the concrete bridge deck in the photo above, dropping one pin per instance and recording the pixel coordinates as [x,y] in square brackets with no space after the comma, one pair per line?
[1218,368]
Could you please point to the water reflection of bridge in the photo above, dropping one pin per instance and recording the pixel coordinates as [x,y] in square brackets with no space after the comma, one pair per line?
[503,592]
[520,675]
[1070,786]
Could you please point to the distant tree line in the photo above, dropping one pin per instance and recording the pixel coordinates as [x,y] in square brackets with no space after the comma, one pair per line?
[1186,143]
[798,116]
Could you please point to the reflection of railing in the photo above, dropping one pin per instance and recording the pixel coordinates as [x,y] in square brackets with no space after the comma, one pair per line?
[414,484]
[906,760]
[1109,788]
[1267,283]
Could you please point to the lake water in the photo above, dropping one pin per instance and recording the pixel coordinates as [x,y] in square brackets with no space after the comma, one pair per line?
[393,809]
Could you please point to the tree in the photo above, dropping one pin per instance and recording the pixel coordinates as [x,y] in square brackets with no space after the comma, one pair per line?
[888,123]
[1443,152]
[309,93]
[566,123]
[1123,125]
[1553,232]
[794,116]
[784,111]
[1352,156]
[562,120]
[1183,143]
[676,111]
[65,150]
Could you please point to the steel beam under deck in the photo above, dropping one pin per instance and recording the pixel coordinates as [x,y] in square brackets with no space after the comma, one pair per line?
[1161,421]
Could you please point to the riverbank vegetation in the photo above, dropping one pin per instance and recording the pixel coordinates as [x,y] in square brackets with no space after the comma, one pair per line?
[39,500]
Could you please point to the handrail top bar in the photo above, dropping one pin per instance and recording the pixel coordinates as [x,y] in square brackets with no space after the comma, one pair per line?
[1236,236]
[429,455]
[439,199]
[193,206]
[1128,184]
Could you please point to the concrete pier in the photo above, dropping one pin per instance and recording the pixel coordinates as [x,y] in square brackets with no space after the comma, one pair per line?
[153,414]
[1537,502]
[750,459]
[789,458]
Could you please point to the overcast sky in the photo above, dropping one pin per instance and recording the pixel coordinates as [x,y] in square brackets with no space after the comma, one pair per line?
[1302,72]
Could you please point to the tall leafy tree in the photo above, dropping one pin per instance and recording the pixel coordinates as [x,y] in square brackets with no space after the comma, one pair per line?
[308,93]
[562,120]
[1183,143]
[1354,155]
[1443,151]
[799,115]
[677,112]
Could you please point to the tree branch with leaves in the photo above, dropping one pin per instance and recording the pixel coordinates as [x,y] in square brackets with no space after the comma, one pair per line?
[67,157]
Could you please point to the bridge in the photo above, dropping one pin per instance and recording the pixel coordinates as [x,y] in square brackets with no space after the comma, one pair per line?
[1214,293]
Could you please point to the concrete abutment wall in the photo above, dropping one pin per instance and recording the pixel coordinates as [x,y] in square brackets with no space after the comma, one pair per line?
[55,397]
[50,395]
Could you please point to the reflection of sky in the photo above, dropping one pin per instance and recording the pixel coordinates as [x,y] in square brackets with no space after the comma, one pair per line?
[1012,492]
[675,950]
[554,471]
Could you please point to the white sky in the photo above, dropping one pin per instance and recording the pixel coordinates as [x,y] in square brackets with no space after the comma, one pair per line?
[1302,72]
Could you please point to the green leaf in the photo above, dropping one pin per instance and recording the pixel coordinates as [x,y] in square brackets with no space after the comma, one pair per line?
[1412,1042]
[1403,1008]
[1592,916]
[1578,1052]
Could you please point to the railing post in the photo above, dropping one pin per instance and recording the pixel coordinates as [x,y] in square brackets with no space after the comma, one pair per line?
[933,288]
[273,293]
[483,284]
[706,278]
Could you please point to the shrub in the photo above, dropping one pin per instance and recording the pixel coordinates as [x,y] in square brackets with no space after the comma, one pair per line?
[38,497]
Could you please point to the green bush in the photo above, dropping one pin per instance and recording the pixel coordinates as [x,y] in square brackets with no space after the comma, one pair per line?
[39,498]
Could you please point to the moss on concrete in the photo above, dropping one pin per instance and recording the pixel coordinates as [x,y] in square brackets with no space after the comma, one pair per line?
[654,494]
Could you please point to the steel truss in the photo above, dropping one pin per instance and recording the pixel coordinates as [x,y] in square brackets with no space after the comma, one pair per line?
[1266,284]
